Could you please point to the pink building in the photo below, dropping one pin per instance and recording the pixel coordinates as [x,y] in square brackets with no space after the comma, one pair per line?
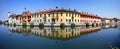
[90,18]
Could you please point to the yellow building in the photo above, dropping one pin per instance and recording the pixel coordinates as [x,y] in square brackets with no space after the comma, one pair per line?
[56,17]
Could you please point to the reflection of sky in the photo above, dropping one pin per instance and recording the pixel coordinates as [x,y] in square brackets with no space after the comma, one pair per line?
[104,8]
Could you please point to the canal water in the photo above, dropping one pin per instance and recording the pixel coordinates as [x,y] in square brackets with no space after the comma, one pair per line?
[105,37]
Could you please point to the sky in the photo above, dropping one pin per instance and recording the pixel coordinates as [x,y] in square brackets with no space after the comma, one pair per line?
[103,8]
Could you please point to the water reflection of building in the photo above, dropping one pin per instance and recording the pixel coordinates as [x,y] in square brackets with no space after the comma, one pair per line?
[89,30]
[109,26]
[56,32]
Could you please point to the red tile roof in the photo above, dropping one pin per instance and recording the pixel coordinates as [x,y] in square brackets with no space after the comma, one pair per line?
[83,14]
[42,11]
[58,10]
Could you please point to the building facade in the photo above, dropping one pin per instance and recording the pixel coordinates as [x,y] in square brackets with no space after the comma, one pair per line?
[106,21]
[89,18]
[12,18]
[48,17]
[56,17]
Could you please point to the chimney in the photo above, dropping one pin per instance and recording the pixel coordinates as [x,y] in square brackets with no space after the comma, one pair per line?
[74,9]
[56,8]
[9,13]
[25,9]
[96,15]
[87,12]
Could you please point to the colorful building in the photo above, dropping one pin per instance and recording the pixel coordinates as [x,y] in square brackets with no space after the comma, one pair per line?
[56,17]
[48,17]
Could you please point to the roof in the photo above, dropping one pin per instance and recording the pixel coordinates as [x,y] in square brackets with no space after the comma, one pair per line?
[12,16]
[84,14]
[42,11]
[65,10]
[55,10]
[106,18]
[26,13]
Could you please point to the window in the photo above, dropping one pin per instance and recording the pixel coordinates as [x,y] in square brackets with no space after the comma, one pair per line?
[75,15]
[66,14]
[69,20]
[61,14]
[57,20]
[72,14]
[31,15]
[37,20]
[52,14]
[69,14]
[78,15]
[40,15]
[44,20]
[49,14]
[40,20]
[61,20]
[34,20]
[66,20]
[45,15]
[36,16]
[48,20]
[20,21]
[20,18]
[56,14]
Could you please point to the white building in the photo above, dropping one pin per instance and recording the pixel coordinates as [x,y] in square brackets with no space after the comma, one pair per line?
[12,18]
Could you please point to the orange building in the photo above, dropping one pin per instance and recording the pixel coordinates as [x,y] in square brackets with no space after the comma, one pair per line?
[24,17]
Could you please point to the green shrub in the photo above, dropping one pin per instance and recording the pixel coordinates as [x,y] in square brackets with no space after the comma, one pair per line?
[87,25]
[31,25]
[41,25]
[72,25]
[62,28]
[52,24]
[96,24]
[14,24]
[24,24]
[62,25]
[93,25]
